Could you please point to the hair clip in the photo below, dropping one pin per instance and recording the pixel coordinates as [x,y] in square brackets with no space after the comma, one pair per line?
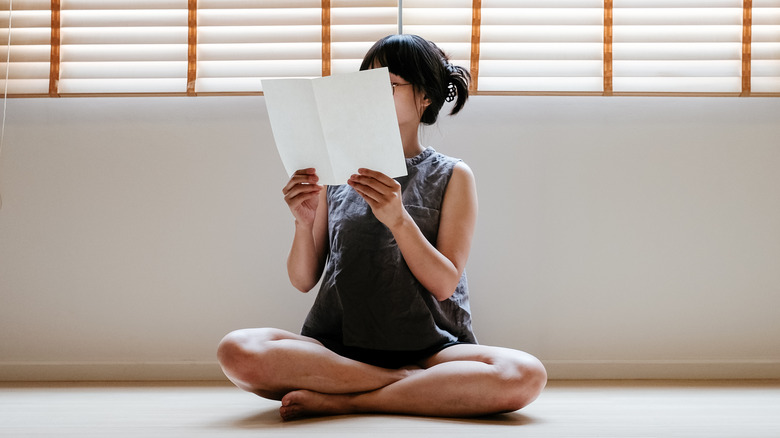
[451,92]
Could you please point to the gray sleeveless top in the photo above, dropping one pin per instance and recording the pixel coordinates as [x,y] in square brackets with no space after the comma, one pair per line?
[368,297]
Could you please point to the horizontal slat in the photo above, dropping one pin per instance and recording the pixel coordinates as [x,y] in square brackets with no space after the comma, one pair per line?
[93,18]
[21,5]
[26,86]
[124,35]
[25,70]
[122,4]
[362,16]
[272,68]
[541,51]
[364,3]
[254,34]
[766,51]
[439,33]
[26,36]
[123,52]
[546,68]
[125,85]
[542,16]
[766,33]
[264,4]
[228,85]
[357,33]
[259,51]
[676,51]
[677,85]
[548,33]
[542,3]
[540,84]
[437,16]
[769,84]
[123,70]
[677,68]
[766,16]
[411,4]
[678,16]
[766,68]
[668,33]
[674,4]
[345,65]
[21,54]
[259,17]
[23,19]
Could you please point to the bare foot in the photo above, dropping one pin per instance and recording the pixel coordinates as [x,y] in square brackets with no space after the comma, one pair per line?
[303,403]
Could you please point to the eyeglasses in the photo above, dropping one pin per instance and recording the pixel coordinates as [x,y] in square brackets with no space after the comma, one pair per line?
[398,85]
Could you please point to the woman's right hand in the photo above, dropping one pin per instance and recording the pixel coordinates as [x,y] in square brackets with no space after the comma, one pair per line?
[302,195]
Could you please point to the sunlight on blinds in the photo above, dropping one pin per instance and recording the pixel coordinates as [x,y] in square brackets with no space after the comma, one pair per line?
[241,42]
[123,46]
[448,26]
[30,46]
[766,46]
[677,46]
[355,26]
[541,45]
[109,47]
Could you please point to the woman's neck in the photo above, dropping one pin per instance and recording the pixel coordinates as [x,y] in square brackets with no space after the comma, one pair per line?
[411,141]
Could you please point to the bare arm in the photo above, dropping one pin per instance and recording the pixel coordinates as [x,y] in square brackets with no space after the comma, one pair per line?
[438,268]
[308,205]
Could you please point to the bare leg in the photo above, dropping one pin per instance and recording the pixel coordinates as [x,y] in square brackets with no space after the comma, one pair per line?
[460,381]
[272,362]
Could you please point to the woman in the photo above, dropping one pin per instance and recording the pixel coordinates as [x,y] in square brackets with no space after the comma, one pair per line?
[390,329]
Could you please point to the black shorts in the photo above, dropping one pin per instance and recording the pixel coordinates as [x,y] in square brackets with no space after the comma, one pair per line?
[385,358]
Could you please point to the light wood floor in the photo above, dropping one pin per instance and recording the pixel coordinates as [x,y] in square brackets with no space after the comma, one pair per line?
[746,409]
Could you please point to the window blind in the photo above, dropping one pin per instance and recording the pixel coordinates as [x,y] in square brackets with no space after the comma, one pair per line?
[241,42]
[30,46]
[355,26]
[123,46]
[765,67]
[448,26]
[190,47]
[541,46]
[677,46]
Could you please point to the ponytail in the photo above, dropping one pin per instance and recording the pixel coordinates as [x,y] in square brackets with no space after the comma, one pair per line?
[457,87]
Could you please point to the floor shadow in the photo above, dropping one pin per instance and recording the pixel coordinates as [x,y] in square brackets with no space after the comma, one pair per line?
[270,419]
[508,419]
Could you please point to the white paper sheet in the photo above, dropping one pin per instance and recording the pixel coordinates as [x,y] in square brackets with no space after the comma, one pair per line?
[336,124]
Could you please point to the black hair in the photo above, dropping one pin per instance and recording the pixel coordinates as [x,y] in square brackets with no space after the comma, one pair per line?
[424,65]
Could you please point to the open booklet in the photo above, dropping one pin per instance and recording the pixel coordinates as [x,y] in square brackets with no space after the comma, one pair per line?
[336,124]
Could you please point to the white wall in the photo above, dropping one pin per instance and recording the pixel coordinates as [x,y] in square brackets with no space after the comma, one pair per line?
[618,237]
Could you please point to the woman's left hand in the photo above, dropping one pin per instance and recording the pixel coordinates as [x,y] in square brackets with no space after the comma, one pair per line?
[383,195]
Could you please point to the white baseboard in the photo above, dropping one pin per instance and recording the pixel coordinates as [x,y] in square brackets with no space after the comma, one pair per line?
[110,371]
[662,369]
[557,370]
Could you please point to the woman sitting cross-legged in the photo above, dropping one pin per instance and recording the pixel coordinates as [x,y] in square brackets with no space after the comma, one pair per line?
[390,329]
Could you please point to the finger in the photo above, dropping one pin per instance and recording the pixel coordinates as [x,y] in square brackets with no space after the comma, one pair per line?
[369,181]
[368,193]
[300,177]
[379,176]
[301,189]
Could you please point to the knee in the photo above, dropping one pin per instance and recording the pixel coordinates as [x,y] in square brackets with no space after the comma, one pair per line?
[231,348]
[240,354]
[523,376]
